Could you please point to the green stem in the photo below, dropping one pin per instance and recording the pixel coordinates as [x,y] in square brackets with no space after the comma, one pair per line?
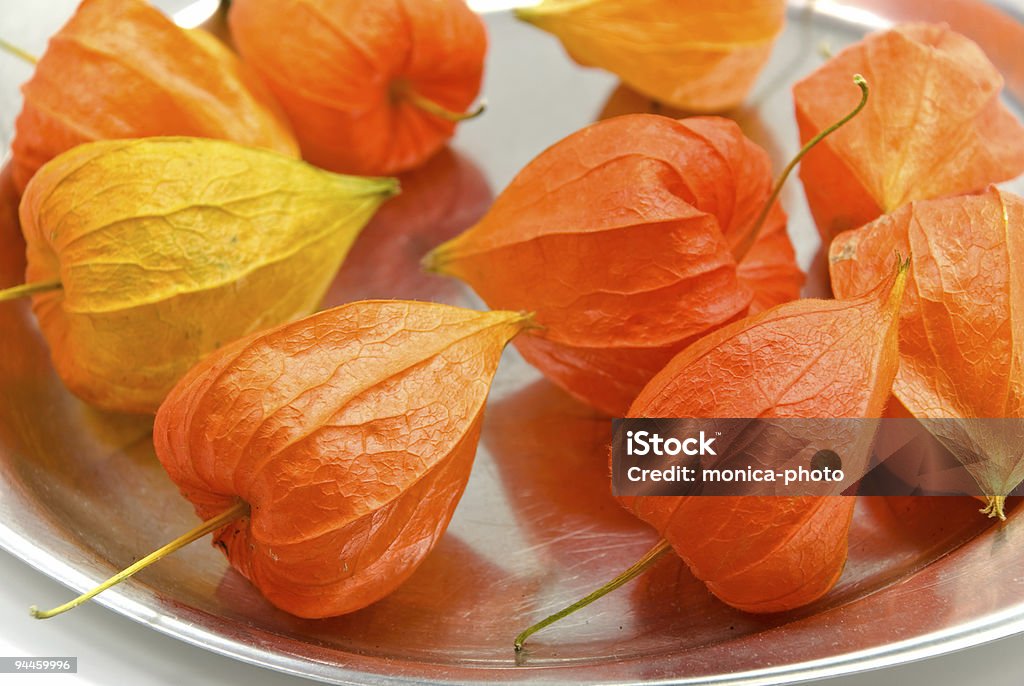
[26,289]
[741,249]
[638,568]
[236,511]
[431,107]
[18,52]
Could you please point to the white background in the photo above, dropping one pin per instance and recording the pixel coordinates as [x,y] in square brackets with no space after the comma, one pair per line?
[114,650]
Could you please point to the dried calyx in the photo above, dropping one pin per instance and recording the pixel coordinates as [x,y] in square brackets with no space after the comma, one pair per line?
[674,228]
[145,255]
[769,553]
[327,455]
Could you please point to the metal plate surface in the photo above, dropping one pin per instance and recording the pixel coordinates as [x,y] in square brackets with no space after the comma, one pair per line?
[82,494]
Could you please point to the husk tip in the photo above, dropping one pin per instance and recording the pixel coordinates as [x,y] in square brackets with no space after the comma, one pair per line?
[902,263]
[390,187]
[539,13]
[528,320]
[523,320]
[995,507]
[433,262]
[527,14]
[898,281]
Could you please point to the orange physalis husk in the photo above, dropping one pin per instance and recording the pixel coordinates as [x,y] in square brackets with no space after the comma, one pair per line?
[935,127]
[350,434]
[962,323]
[809,358]
[806,359]
[121,69]
[621,238]
[698,56]
[371,86]
[327,455]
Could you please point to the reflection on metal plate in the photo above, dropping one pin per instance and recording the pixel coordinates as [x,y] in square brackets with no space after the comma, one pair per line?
[194,13]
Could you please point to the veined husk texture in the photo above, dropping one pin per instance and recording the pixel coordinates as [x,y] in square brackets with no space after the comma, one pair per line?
[168,248]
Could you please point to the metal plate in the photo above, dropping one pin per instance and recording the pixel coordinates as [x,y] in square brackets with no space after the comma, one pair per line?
[82,494]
